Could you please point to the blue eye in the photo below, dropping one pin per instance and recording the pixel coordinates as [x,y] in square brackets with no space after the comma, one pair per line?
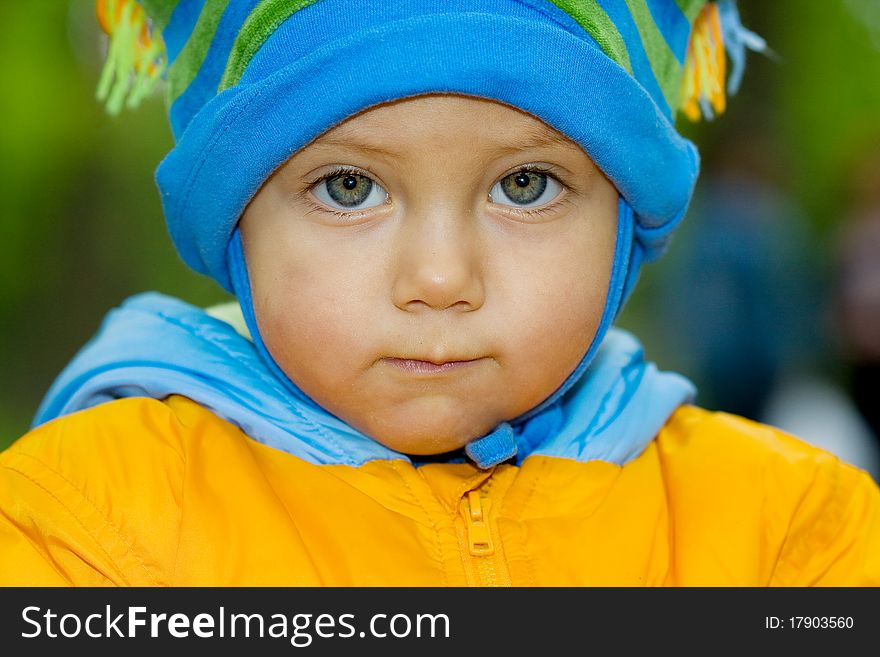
[349,190]
[525,189]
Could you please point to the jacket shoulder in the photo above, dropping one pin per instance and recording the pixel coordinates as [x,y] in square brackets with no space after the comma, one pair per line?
[102,480]
[819,516]
[117,427]
[696,434]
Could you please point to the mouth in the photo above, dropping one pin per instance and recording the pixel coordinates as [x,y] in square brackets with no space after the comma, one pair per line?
[415,366]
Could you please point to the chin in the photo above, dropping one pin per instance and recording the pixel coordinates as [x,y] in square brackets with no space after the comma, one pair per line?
[420,443]
[437,434]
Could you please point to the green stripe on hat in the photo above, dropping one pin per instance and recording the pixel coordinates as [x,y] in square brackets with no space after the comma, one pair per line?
[666,68]
[259,26]
[590,16]
[690,8]
[184,69]
[269,14]
[159,11]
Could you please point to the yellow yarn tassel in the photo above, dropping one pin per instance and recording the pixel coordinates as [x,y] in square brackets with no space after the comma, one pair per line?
[135,57]
[705,67]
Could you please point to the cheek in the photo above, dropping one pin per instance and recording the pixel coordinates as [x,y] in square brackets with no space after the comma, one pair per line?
[561,297]
[565,315]
[307,305]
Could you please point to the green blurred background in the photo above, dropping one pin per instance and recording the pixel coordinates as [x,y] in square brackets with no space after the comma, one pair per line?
[82,226]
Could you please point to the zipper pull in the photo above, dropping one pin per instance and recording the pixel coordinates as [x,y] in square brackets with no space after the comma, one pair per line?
[477,518]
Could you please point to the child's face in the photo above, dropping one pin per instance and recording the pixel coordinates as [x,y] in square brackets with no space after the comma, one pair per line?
[431,267]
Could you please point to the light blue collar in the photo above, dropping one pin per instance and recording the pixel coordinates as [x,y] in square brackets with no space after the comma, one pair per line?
[155,346]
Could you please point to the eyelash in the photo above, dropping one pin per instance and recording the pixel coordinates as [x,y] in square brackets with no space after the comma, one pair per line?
[542,210]
[537,212]
[338,171]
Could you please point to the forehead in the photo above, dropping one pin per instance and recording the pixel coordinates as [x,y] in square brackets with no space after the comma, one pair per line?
[441,120]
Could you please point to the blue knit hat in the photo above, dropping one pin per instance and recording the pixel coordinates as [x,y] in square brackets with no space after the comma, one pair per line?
[249,82]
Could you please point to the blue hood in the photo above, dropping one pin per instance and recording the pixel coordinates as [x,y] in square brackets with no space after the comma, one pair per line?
[156,346]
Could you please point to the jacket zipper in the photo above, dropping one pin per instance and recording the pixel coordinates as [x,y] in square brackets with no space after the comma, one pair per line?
[485,561]
[479,535]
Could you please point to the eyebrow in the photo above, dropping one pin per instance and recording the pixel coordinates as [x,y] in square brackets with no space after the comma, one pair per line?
[534,138]
[366,147]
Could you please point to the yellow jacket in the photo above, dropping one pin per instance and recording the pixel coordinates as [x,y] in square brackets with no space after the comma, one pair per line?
[145,492]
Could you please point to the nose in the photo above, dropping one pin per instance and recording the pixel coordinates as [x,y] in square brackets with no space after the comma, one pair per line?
[439,263]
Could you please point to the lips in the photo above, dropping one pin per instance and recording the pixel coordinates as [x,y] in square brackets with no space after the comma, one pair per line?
[414,366]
